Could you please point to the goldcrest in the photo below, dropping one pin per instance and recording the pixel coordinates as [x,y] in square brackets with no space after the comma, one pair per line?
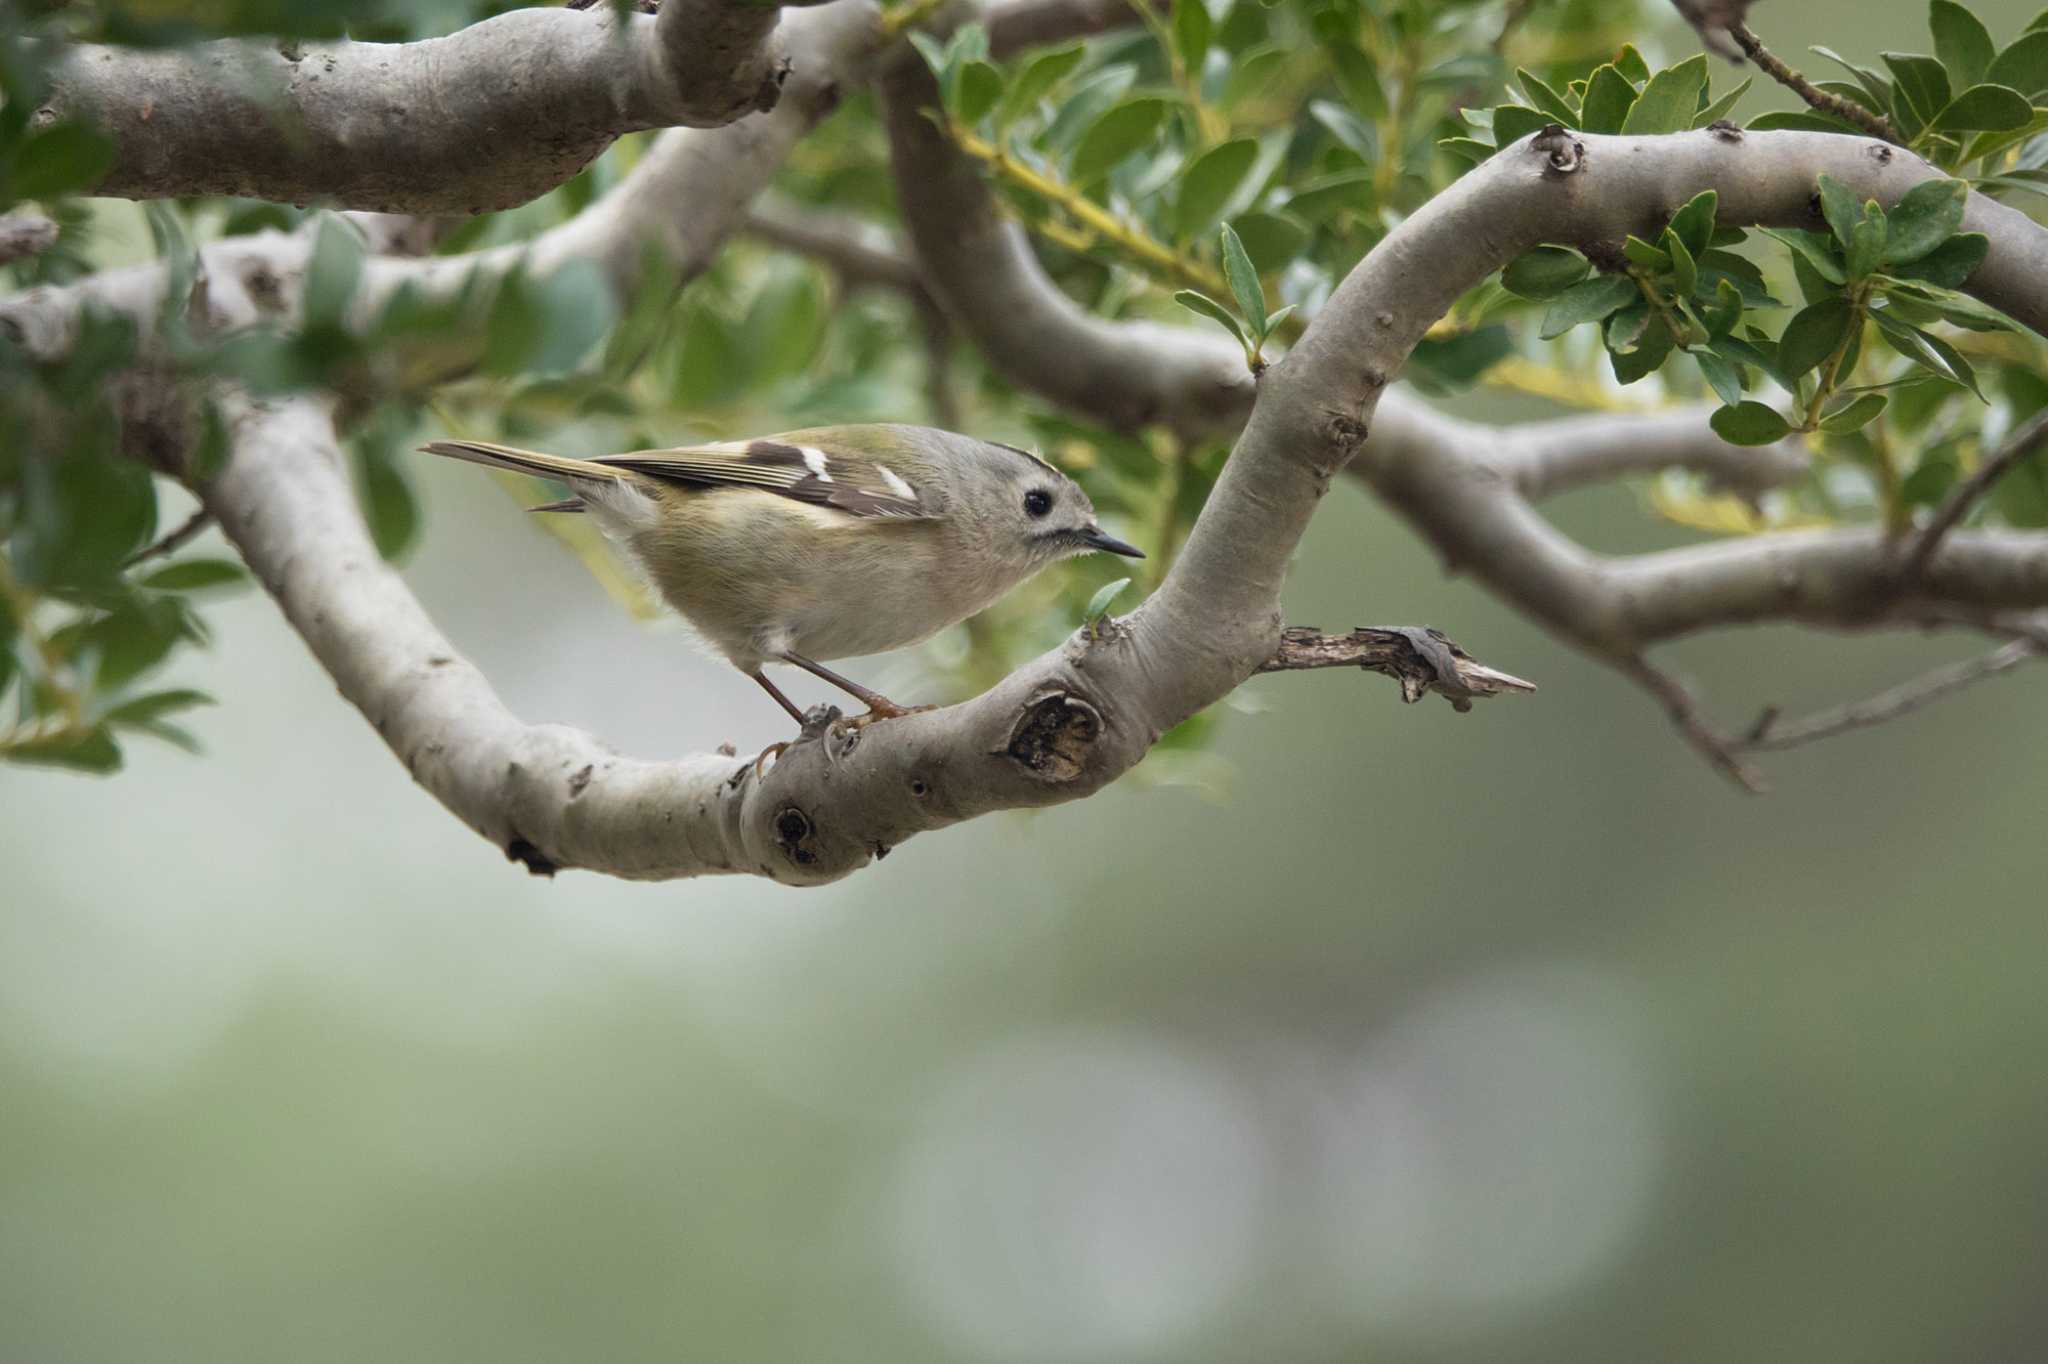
[826,543]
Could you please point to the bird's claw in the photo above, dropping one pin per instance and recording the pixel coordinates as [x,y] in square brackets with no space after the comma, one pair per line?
[885,710]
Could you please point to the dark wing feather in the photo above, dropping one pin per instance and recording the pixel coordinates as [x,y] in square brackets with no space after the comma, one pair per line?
[854,484]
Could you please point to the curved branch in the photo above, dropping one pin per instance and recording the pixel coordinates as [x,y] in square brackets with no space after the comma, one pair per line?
[979,265]
[482,119]
[681,201]
[1550,457]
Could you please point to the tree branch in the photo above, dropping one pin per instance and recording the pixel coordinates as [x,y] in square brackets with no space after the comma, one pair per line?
[483,119]
[2016,447]
[1422,660]
[1550,457]
[1848,110]
[25,232]
[1769,734]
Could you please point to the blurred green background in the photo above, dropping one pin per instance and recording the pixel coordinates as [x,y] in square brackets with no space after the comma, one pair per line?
[1508,1035]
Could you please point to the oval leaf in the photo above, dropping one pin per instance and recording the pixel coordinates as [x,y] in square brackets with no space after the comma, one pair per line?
[1749,424]
[1115,136]
[1208,184]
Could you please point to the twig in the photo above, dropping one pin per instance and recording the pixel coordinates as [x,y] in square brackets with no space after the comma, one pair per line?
[25,232]
[2016,447]
[1678,702]
[831,241]
[1767,735]
[1877,125]
[1422,660]
[186,532]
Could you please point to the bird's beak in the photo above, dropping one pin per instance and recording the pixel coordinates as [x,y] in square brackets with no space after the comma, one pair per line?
[1095,538]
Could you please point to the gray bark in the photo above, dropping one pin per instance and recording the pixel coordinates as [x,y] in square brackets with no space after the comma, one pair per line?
[1065,724]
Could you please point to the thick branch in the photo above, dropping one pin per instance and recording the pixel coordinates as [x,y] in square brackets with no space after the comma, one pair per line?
[483,119]
[979,264]
[681,202]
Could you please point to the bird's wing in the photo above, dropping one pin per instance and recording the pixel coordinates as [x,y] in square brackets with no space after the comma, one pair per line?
[853,483]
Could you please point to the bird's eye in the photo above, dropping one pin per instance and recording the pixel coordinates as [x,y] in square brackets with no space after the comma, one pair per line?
[1037,502]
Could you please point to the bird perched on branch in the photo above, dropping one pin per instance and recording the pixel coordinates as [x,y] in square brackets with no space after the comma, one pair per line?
[826,543]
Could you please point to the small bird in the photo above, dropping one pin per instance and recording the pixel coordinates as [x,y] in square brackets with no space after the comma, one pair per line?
[825,543]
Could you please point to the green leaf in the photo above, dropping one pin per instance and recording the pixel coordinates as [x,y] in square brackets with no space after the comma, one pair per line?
[1638,343]
[1609,97]
[1119,133]
[1668,101]
[1631,64]
[1208,307]
[1749,423]
[512,332]
[576,308]
[1921,81]
[1544,98]
[976,89]
[1357,78]
[2024,65]
[389,506]
[332,272]
[1721,315]
[1544,273]
[933,52]
[1947,265]
[1037,80]
[1347,127]
[1961,41]
[1513,122]
[1271,239]
[1813,249]
[1855,414]
[1723,376]
[1721,107]
[62,159]
[181,259]
[196,575]
[144,709]
[785,325]
[1839,206]
[1866,245]
[1086,103]
[1640,252]
[1930,481]
[1876,86]
[1813,334]
[1098,605]
[1322,199]
[1985,108]
[1244,283]
[1926,216]
[1926,350]
[1588,301]
[1192,29]
[1208,184]
[1694,223]
[1453,363]
[92,751]
[1685,274]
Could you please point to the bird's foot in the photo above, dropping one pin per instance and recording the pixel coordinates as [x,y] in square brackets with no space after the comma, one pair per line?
[774,750]
[881,708]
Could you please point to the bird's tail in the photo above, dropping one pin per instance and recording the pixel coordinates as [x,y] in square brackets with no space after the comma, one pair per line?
[571,471]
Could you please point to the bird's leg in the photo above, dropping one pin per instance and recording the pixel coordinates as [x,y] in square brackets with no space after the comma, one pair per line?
[773,750]
[776,692]
[879,706]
